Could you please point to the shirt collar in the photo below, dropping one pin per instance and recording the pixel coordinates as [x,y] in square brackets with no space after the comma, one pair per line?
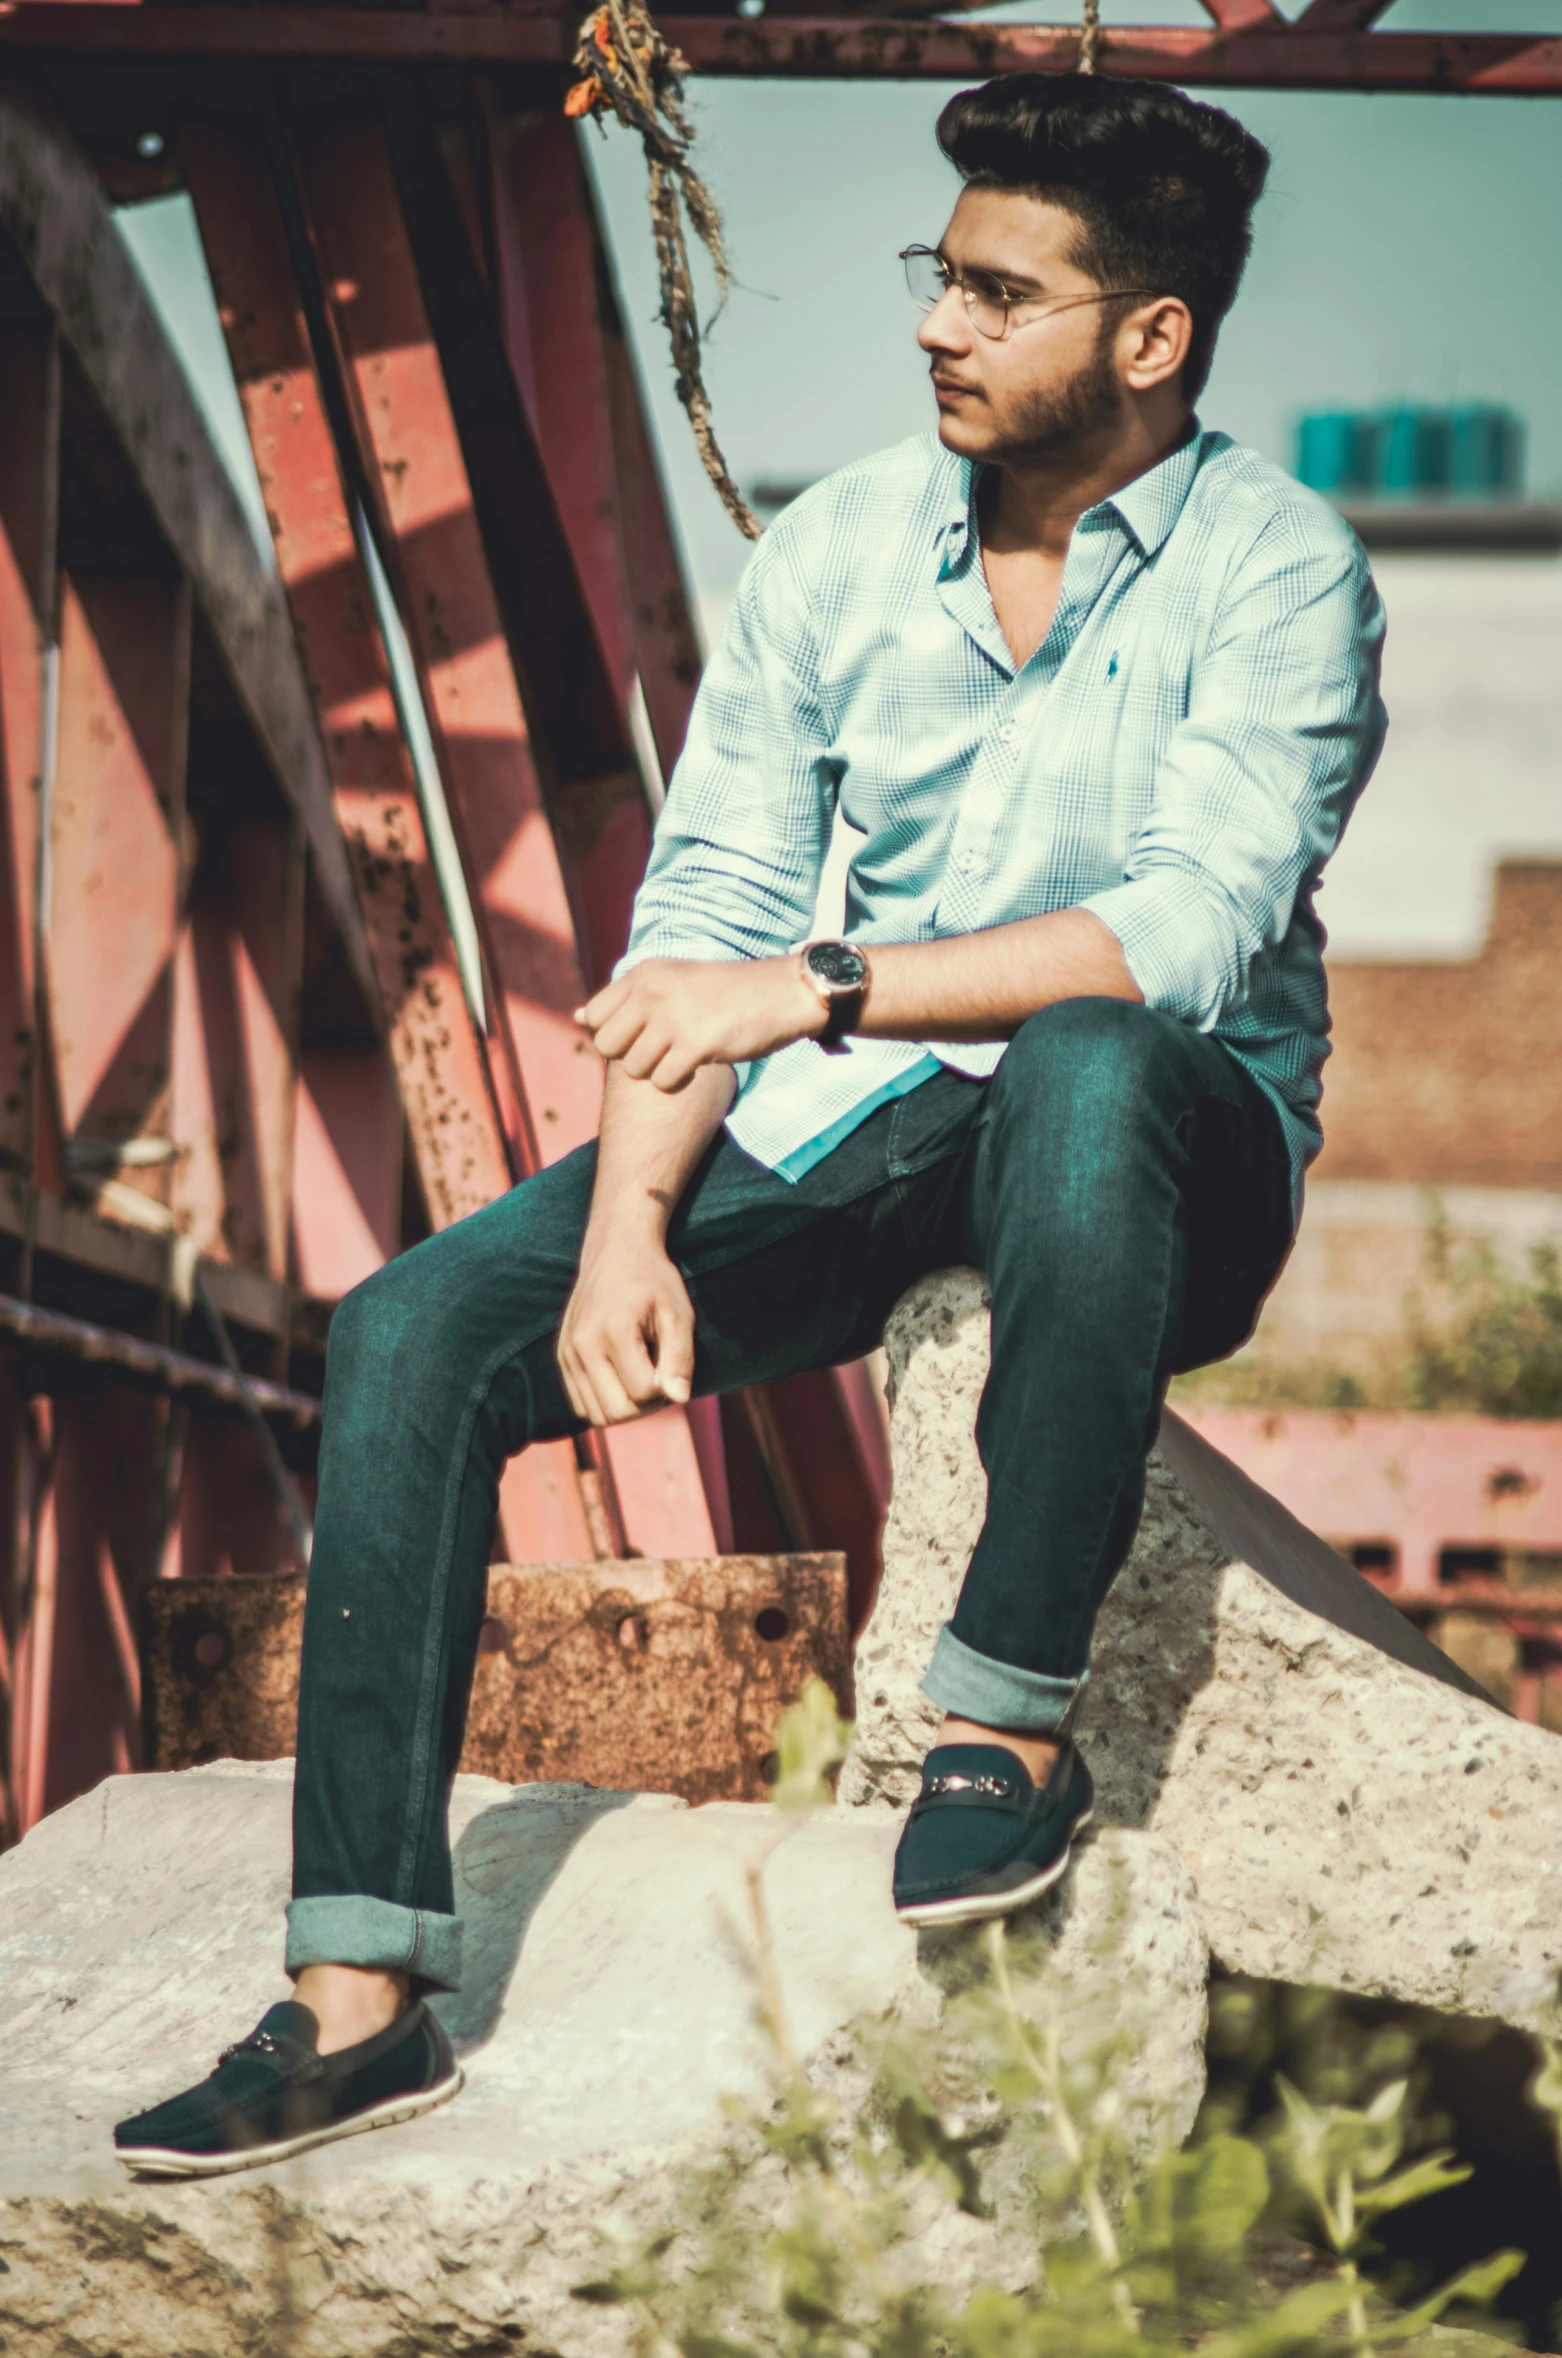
[1149,506]
[1152,502]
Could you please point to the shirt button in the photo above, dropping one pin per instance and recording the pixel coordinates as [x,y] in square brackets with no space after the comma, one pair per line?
[1006,733]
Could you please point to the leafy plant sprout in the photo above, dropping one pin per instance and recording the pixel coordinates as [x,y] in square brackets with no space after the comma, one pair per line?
[996,2186]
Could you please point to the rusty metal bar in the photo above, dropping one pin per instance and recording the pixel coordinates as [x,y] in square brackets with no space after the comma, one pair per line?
[32,1661]
[597,801]
[364,194]
[428,525]
[818,46]
[29,478]
[166,1371]
[1242,16]
[460,1153]
[826,47]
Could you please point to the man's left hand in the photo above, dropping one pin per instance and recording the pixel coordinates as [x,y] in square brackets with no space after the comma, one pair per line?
[667,1017]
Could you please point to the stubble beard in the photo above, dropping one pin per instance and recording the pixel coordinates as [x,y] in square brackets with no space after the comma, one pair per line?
[1062,421]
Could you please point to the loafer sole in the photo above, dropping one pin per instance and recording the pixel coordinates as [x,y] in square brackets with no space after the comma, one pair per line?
[978,1907]
[156,2161]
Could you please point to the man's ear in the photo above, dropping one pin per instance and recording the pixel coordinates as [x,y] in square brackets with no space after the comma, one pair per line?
[1153,343]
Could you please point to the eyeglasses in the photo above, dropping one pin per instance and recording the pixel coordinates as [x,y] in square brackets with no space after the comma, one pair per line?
[994,311]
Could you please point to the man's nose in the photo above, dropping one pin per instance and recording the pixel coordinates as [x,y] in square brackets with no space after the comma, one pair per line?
[947,327]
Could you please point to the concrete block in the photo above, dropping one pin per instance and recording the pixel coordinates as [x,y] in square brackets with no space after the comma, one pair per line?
[609,2008]
[1352,1808]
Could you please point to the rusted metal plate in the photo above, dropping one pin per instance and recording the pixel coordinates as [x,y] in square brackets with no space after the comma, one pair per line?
[654,1675]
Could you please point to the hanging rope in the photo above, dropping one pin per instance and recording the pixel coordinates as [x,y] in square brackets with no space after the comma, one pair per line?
[1090,36]
[628,70]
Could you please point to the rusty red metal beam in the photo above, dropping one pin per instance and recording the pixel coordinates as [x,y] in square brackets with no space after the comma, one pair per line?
[456,1140]
[53,208]
[441,1059]
[410,445]
[29,454]
[1325,54]
[1242,16]
[417,477]
[833,47]
[175,1372]
[555,300]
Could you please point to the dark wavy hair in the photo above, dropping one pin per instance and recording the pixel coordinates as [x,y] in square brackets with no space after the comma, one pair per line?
[1163,186]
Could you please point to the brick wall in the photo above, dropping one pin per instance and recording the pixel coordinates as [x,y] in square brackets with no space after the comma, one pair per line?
[1450,1074]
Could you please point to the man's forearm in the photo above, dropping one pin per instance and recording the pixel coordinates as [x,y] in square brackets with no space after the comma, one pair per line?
[983,986]
[670,1019]
[650,1143]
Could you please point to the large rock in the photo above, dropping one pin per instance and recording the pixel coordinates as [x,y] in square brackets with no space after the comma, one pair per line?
[608,2010]
[1352,1809]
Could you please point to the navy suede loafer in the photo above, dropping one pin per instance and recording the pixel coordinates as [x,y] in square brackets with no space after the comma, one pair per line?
[982,1839]
[273,2095]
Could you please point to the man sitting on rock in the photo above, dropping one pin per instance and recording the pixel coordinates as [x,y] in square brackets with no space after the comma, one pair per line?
[1099,689]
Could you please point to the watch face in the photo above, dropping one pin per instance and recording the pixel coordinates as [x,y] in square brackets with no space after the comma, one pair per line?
[839,964]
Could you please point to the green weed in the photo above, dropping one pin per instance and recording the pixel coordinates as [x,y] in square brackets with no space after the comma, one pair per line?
[996,2186]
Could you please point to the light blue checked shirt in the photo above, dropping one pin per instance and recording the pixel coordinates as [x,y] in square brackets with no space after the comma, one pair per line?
[1180,756]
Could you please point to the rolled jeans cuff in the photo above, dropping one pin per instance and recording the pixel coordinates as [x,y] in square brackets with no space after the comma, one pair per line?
[999,1694]
[352,1929]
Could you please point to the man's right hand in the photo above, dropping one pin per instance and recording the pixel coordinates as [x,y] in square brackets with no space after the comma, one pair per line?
[627,1341]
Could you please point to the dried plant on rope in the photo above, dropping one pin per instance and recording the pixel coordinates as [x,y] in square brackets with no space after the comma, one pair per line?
[628,70]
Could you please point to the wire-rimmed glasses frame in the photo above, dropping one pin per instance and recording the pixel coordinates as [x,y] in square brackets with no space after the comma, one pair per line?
[990,305]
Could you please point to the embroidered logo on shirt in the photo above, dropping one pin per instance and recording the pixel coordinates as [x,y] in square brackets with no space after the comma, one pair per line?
[1111,669]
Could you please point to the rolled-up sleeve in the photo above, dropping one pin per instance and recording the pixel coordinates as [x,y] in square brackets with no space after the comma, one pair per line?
[1283,727]
[740,843]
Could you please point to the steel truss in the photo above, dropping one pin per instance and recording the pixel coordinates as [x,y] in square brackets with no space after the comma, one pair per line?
[238,1067]
[1331,45]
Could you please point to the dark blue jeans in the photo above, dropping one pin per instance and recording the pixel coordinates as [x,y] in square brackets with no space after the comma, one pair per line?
[1123,1182]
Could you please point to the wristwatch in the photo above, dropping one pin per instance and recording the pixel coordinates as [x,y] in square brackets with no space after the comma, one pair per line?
[839,973]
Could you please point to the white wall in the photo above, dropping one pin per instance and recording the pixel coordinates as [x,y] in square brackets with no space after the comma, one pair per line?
[1472,677]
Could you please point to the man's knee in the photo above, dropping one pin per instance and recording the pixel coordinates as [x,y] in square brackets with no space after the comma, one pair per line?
[1085,1059]
[369,1322]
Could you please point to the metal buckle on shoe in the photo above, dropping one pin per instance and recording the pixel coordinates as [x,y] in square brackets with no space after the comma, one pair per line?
[262,2040]
[999,1787]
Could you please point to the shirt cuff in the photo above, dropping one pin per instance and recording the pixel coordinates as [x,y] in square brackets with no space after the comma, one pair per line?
[1171,945]
[682,945]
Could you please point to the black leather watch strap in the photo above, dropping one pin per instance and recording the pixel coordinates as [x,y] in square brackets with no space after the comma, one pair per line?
[841,1013]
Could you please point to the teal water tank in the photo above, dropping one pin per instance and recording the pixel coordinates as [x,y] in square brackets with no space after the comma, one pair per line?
[1415,454]
[1488,452]
[1413,451]
[1336,454]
